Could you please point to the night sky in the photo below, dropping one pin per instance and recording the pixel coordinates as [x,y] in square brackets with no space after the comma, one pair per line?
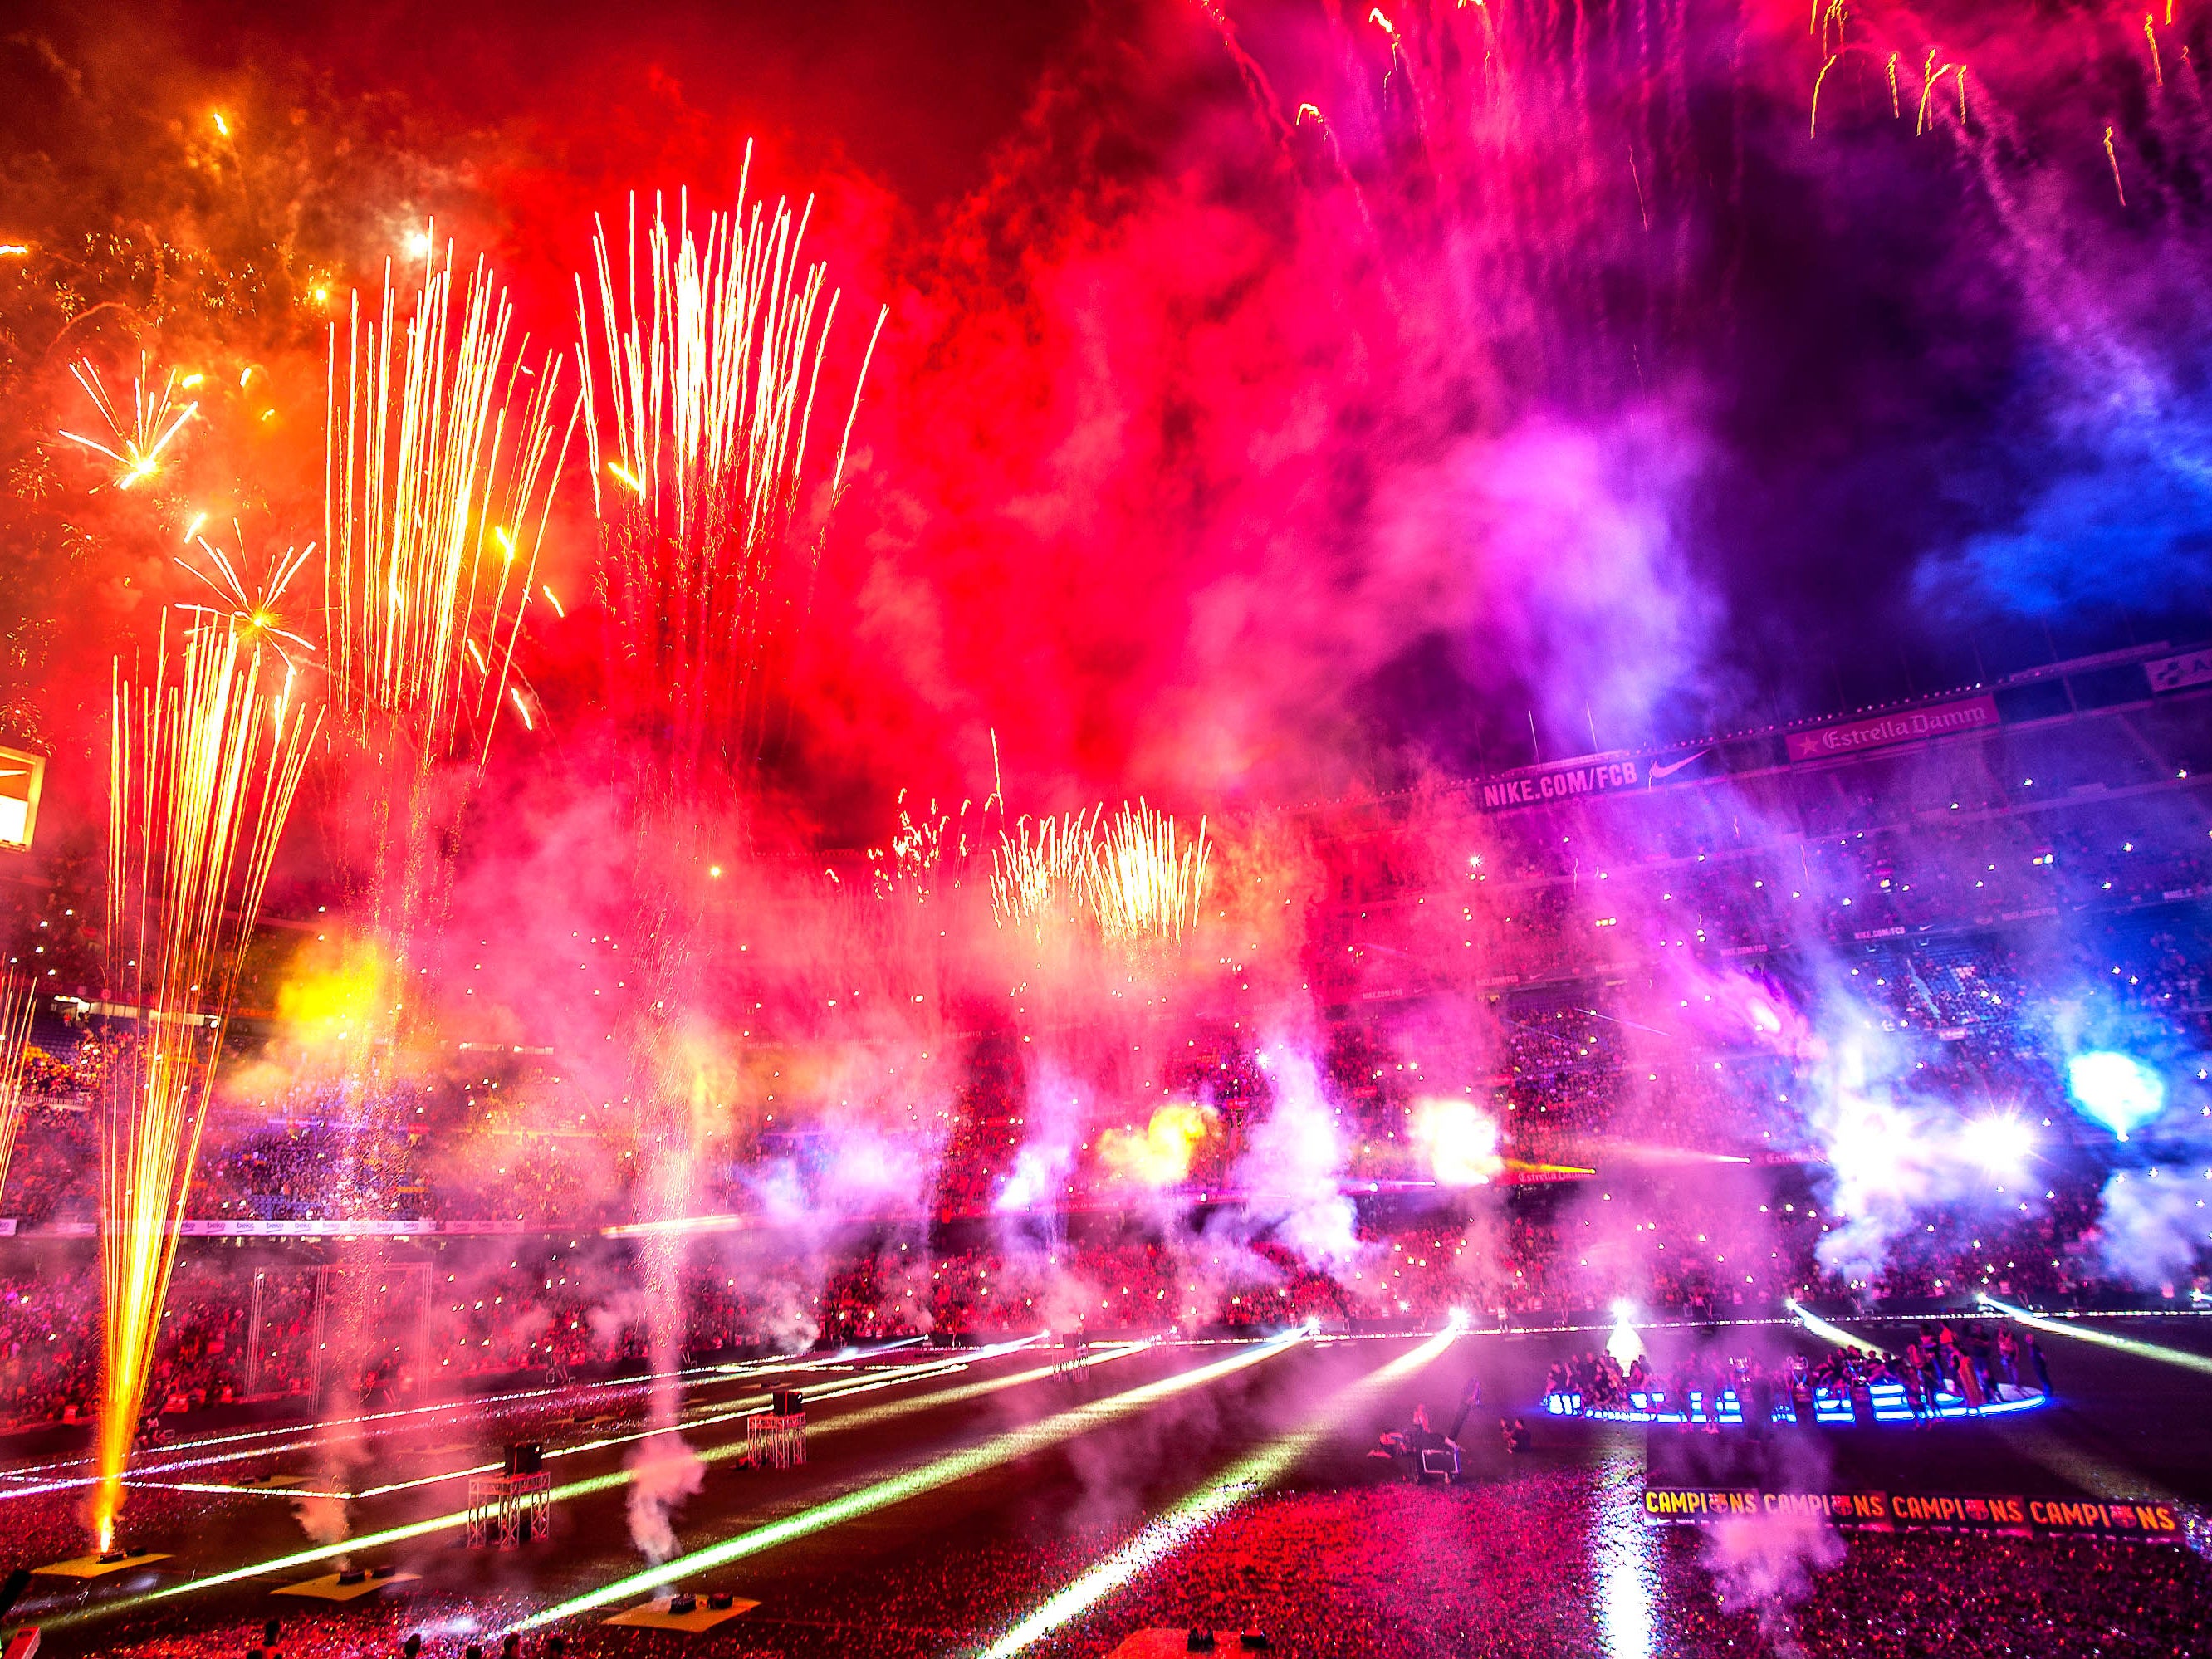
[1547,368]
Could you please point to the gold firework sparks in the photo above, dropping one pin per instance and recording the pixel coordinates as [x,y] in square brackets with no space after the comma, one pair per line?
[140,431]
[1145,882]
[909,865]
[938,850]
[205,763]
[1043,870]
[19,1000]
[439,476]
[699,399]
[928,853]
[256,614]
[1132,874]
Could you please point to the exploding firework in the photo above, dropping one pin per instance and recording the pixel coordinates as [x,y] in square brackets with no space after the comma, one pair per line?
[137,435]
[205,763]
[697,417]
[256,614]
[443,444]
[440,473]
[19,999]
[699,387]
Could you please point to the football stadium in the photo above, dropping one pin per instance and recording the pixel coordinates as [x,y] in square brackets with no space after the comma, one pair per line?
[1157,827]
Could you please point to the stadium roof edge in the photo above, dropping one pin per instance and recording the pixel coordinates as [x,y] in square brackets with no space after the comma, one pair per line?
[2029,676]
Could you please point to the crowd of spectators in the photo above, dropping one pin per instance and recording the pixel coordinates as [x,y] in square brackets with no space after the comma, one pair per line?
[1533,1562]
[256,1321]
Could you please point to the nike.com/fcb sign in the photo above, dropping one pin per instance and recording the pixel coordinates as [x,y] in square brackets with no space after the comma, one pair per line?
[1563,782]
[1905,725]
[1591,775]
[20,777]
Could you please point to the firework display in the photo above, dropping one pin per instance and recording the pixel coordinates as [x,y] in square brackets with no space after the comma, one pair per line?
[1354,830]
[1044,869]
[1129,874]
[1145,882]
[441,472]
[207,756]
[137,436]
[256,615]
[699,400]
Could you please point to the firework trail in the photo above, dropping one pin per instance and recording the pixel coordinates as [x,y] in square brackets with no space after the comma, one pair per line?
[439,468]
[139,435]
[19,1000]
[439,472]
[205,764]
[930,856]
[699,403]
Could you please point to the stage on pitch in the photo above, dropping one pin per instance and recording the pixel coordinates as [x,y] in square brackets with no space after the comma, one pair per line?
[345,1586]
[97,1567]
[701,1613]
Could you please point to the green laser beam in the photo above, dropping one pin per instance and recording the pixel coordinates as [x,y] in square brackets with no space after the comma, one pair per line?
[297,1437]
[938,1398]
[453,1520]
[2080,1332]
[734,1411]
[1178,1525]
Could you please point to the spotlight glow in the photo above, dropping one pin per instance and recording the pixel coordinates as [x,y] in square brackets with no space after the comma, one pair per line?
[1461,1140]
[2118,1090]
[2000,1144]
[1875,1150]
[1622,1343]
[1627,1573]
[1835,1335]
